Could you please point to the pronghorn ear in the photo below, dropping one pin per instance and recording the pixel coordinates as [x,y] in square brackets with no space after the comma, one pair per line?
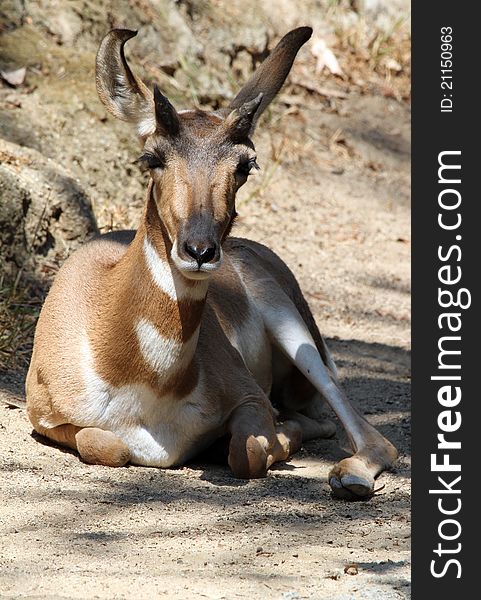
[270,76]
[124,96]
[166,117]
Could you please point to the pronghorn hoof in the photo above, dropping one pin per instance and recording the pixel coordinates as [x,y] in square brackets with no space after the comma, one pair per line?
[351,480]
[248,457]
[351,488]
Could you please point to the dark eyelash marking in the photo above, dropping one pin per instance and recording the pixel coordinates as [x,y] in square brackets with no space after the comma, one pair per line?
[153,161]
[246,165]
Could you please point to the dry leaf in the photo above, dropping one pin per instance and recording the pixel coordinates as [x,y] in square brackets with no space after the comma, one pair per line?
[392,65]
[325,58]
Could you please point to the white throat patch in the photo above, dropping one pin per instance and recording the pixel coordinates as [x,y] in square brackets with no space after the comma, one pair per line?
[170,282]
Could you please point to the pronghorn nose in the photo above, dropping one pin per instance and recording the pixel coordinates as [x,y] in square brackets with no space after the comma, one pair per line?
[202,254]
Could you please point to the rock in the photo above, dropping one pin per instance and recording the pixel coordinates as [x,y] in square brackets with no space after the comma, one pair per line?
[14,78]
[44,213]
[166,39]
[66,26]
[12,13]
[382,14]
[351,569]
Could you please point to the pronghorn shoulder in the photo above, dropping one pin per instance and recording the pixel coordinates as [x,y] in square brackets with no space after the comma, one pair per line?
[79,281]
[242,248]
[253,260]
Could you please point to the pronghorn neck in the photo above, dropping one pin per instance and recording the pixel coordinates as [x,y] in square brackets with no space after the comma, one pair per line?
[156,248]
[151,314]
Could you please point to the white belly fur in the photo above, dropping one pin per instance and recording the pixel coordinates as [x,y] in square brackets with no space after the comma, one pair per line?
[159,431]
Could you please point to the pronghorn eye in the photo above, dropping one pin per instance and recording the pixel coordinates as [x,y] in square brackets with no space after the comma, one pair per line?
[246,165]
[153,161]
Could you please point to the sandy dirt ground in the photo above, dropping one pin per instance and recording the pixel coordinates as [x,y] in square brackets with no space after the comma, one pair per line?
[333,200]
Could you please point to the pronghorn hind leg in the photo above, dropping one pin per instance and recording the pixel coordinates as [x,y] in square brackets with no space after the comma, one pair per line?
[64,435]
[352,477]
[298,399]
[95,446]
[311,429]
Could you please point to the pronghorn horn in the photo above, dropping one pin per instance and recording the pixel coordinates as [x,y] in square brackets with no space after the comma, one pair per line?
[240,122]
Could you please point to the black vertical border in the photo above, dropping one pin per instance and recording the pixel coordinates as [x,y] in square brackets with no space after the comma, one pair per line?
[433,132]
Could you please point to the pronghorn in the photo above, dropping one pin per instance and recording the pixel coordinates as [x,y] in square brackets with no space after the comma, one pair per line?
[153,344]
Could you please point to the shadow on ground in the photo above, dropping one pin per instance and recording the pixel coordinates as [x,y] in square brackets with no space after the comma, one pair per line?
[381,391]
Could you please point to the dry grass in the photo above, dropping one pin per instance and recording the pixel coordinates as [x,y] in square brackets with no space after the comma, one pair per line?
[372,56]
[19,309]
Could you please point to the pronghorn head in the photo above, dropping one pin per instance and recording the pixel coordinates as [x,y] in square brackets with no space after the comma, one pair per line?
[197,160]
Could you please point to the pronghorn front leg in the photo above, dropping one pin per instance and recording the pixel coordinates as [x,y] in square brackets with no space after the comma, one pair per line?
[352,477]
[256,441]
